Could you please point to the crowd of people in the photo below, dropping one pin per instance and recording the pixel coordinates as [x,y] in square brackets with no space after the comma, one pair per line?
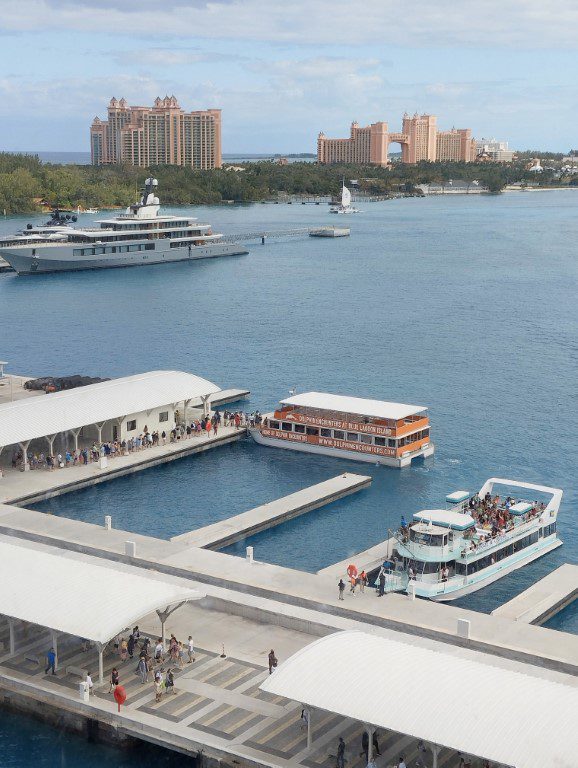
[492,513]
[206,426]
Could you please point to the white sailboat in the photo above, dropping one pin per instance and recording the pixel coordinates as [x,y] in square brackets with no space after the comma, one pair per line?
[345,205]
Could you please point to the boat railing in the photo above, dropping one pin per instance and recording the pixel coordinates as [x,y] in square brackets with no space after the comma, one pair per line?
[495,541]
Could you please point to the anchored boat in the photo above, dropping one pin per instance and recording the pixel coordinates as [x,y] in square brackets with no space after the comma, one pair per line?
[348,427]
[476,540]
[138,237]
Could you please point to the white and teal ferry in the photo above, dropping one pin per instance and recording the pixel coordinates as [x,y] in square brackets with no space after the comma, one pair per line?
[447,553]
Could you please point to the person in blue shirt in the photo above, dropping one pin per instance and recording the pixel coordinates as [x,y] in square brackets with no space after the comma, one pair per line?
[51,659]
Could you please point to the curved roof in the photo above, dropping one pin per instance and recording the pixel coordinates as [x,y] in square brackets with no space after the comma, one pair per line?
[464,703]
[83,597]
[40,416]
[360,406]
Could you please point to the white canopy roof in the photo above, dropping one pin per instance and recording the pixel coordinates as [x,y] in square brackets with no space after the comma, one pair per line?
[40,416]
[83,597]
[443,698]
[379,409]
[446,518]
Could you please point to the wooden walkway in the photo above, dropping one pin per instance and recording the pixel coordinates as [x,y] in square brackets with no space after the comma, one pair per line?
[225,532]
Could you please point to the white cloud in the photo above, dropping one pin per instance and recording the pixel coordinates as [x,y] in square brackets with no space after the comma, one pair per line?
[520,23]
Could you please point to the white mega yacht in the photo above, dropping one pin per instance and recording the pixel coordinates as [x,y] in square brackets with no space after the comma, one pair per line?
[138,237]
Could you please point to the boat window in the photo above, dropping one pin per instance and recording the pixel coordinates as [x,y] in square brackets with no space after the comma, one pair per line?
[287,426]
[391,443]
[425,538]
[98,250]
[300,428]
[549,529]
[338,434]
[325,433]
[312,431]
[133,248]
[353,437]
[149,246]
[365,439]
[123,248]
[380,440]
[274,424]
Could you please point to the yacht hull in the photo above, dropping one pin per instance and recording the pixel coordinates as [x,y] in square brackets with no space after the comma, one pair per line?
[61,258]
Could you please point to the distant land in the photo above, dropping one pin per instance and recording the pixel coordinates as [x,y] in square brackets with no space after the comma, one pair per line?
[83,158]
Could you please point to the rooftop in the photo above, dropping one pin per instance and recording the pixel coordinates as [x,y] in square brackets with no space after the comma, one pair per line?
[446,518]
[359,406]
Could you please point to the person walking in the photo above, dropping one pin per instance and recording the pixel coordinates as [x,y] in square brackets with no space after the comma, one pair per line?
[50,662]
[158,685]
[89,683]
[381,583]
[159,650]
[362,581]
[114,679]
[272,661]
[142,669]
[130,645]
[341,587]
[170,682]
[191,649]
[123,650]
[341,753]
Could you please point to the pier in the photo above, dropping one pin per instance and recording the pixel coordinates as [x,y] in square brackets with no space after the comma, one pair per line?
[262,235]
[239,527]
[544,599]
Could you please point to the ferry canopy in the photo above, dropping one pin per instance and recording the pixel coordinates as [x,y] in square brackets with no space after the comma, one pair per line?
[359,406]
[44,415]
[367,678]
[446,518]
[457,497]
[520,508]
[79,595]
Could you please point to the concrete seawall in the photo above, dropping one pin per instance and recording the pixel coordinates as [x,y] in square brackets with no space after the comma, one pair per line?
[544,599]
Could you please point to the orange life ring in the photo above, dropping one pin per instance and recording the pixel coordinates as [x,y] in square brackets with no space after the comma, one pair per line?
[352,571]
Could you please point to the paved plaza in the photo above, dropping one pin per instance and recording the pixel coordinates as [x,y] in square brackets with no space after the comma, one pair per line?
[216,698]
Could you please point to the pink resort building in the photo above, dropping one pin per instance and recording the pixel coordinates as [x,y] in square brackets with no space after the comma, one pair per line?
[163,134]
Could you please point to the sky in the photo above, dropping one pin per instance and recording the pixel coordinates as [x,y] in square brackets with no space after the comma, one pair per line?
[283,71]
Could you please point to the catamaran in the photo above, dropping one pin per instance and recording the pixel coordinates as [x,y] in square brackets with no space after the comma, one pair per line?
[447,553]
[140,236]
[355,428]
[345,205]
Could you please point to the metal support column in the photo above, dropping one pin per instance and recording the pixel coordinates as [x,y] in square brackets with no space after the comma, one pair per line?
[309,733]
[54,635]
[370,730]
[76,433]
[24,447]
[11,625]
[100,650]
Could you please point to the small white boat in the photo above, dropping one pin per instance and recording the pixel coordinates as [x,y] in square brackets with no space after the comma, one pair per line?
[80,210]
[345,205]
[447,553]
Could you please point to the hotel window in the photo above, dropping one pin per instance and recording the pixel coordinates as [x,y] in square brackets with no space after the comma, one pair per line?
[131,425]
[299,428]
[325,433]
[163,416]
[338,434]
[353,437]
[365,439]
[287,426]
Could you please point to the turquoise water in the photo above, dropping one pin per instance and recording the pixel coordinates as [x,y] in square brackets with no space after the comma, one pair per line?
[464,304]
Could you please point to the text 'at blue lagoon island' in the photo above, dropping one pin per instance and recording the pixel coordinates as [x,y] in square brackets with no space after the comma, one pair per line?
[311,505]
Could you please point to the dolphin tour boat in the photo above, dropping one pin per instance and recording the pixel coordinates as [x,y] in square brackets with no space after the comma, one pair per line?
[448,553]
[392,434]
[138,237]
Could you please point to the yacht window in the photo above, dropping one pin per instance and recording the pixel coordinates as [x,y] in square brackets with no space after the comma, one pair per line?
[98,250]
[300,428]
[287,426]
[353,437]
[365,439]
[325,433]
[133,248]
[149,247]
[338,434]
[312,431]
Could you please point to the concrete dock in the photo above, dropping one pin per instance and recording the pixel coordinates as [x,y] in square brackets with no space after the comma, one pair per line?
[544,599]
[18,487]
[225,532]
[224,397]
[366,560]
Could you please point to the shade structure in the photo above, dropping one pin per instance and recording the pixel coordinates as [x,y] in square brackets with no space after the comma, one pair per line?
[447,518]
[85,597]
[379,409]
[40,416]
[464,703]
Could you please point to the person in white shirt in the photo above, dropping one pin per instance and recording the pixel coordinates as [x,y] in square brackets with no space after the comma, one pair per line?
[401,763]
[89,683]
[191,649]
[159,650]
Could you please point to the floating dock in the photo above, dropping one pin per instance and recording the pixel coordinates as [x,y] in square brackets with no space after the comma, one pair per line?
[239,527]
[544,599]
[263,235]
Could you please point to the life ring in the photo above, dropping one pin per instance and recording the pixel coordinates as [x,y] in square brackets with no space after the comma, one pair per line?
[352,571]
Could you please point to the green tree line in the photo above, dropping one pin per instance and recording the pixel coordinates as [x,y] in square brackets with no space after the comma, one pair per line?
[26,183]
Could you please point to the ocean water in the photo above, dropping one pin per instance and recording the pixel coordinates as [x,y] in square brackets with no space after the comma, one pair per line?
[465,304]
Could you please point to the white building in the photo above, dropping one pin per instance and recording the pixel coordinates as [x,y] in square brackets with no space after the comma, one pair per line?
[495,150]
